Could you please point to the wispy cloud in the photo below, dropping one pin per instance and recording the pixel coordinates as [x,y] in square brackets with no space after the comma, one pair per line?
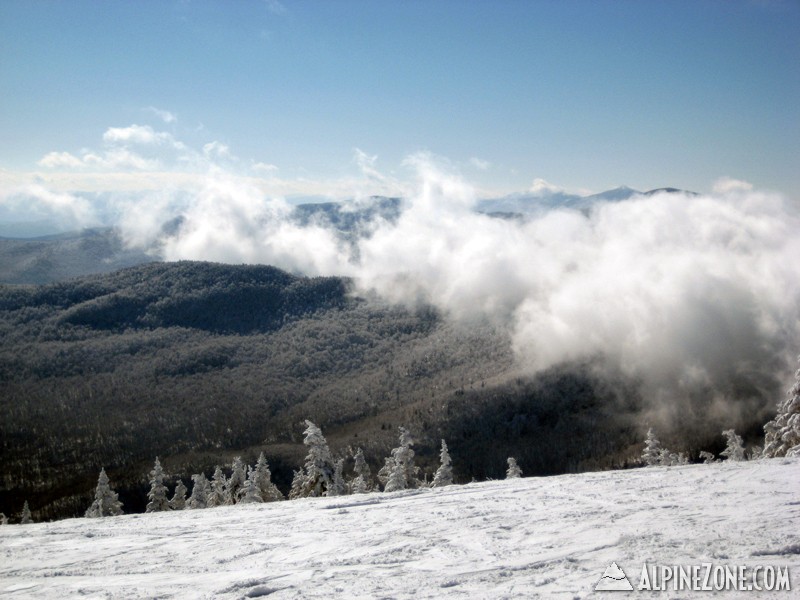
[275,7]
[164,115]
[725,185]
[265,168]
[479,163]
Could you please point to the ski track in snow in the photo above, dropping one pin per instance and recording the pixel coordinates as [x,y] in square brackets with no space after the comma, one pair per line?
[525,538]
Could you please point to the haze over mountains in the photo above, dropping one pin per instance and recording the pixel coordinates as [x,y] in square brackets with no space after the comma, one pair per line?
[43,251]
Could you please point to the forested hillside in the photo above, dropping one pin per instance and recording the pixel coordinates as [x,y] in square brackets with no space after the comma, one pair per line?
[195,362]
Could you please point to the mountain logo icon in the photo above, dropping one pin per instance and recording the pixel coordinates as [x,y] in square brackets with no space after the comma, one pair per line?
[613,580]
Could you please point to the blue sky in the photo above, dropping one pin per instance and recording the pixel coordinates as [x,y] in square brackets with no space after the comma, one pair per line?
[586,95]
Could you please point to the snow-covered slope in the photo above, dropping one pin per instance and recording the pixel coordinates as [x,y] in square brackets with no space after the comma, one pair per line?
[525,538]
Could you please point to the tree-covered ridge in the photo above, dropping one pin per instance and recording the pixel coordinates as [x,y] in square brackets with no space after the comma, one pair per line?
[198,363]
[196,359]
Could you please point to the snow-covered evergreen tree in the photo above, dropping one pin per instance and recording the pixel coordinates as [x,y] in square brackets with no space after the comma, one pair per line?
[782,434]
[250,493]
[106,502]
[707,457]
[158,491]
[652,454]
[402,459]
[178,501]
[513,471]
[397,478]
[233,489]
[296,490]
[3,519]
[216,496]
[444,474]
[734,449]
[200,491]
[360,484]
[385,471]
[26,518]
[268,491]
[319,467]
[338,485]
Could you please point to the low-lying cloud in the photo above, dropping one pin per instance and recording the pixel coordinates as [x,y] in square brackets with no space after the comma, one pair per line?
[688,294]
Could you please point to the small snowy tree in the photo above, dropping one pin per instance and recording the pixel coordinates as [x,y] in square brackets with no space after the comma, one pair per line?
[216,496]
[235,485]
[782,434]
[385,471]
[178,501]
[106,502]
[338,485]
[3,519]
[250,493]
[444,474]
[268,491]
[360,485]
[296,490]
[319,467]
[513,471]
[158,491]
[26,518]
[707,457]
[397,478]
[653,453]
[200,490]
[399,470]
[734,450]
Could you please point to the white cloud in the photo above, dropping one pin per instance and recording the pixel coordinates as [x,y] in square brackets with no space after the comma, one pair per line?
[725,185]
[540,186]
[58,160]
[36,202]
[164,115]
[266,168]
[216,149]
[480,164]
[136,134]
[120,159]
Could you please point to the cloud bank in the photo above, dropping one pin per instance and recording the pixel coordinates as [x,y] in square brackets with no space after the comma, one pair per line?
[687,294]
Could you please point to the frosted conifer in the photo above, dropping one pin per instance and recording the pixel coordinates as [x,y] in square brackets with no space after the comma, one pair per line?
[734,450]
[3,519]
[158,491]
[319,467]
[297,485]
[707,457]
[233,489]
[385,471]
[444,474]
[360,484]
[250,492]
[178,501]
[26,518]
[402,458]
[216,496]
[782,434]
[106,502]
[200,490]
[338,485]
[397,478]
[513,471]
[653,452]
[268,491]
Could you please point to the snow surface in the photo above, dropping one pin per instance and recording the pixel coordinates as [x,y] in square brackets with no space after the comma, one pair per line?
[523,538]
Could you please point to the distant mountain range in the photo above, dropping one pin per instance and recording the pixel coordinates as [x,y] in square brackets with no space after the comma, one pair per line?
[532,203]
